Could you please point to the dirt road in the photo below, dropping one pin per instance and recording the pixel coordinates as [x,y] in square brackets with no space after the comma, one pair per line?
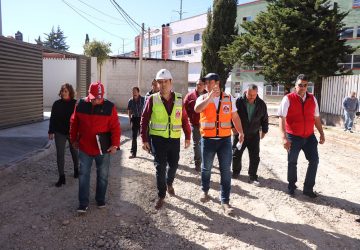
[36,215]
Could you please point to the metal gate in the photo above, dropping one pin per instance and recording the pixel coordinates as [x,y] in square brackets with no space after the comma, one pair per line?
[21,83]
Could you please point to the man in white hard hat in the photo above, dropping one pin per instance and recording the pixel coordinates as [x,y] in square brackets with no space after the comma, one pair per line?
[164,116]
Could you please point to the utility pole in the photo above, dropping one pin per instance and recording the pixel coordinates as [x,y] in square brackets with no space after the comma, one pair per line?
[0,21]
[149,43]
[141,54]
[181,12]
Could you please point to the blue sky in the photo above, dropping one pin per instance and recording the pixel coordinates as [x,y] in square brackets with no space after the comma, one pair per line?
[36,17]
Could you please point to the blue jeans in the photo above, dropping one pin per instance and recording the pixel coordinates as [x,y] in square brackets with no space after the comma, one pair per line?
[309,146]
[102,173]
[166,151]
[221,147]
[349,119]
[197,146]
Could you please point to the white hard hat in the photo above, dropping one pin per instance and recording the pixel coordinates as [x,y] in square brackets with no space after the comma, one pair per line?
[163,74]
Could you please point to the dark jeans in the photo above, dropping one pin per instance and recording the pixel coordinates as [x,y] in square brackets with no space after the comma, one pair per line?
[196,143]
[309,146]
[102,173]
[135,127]
[252,143]
[222,148]
[166,151]
[60,143]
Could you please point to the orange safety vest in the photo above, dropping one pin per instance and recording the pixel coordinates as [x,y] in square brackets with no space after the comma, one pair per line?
[216,123]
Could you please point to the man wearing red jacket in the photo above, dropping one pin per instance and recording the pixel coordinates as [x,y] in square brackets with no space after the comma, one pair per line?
[298,113]
[92,116]
[189,103]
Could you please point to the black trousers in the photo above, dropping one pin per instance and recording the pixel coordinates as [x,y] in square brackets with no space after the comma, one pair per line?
[135,127]
[252,143]
[166,153]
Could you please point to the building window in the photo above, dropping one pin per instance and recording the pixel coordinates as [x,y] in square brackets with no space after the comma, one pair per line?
[358,32]
[237,72]
[356,4]
[237,88]
[356,61]
[347,33]
[274,90]
[350,62]
[197,37]
[182,52]
[247,19]
[178,40]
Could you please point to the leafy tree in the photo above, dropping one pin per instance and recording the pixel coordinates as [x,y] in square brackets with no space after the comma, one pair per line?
[38,41]
[218,32]
[290,38]
[56,40]
[98,49]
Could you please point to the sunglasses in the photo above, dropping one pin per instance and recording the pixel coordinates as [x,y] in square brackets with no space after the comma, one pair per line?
[302,85]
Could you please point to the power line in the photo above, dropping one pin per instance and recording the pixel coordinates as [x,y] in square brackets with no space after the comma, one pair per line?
[99,11]
[99,18]
[126,17]
[91,21]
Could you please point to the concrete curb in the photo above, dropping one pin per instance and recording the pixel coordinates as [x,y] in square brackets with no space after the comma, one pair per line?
[29,157]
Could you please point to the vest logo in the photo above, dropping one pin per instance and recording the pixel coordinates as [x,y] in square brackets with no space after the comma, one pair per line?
[177,113]
[226,109]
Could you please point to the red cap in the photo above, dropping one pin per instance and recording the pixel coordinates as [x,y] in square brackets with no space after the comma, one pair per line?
[96,90]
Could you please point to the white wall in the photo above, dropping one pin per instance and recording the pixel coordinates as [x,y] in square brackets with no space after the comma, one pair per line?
[121,75]
[56,72]
[186,29]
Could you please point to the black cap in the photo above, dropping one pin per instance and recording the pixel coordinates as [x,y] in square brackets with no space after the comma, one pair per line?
[211,76]
[302,77]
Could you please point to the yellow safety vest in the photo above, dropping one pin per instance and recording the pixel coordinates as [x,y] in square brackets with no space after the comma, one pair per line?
[162,124]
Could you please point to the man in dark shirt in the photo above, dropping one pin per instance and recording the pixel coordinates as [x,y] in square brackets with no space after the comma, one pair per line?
[189,103]
[253,114]
[135,107]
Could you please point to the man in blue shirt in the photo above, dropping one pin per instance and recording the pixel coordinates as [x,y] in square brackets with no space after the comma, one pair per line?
[351,106]
[135,107]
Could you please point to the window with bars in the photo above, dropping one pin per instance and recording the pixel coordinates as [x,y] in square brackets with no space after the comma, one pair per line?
[274,90]
[237,88]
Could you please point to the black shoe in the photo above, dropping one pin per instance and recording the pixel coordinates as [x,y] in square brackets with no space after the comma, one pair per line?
[357,220]
[310,194]
[101,205]
[235,175]
[76,173]
[82,209]
[61,181]
[254,180]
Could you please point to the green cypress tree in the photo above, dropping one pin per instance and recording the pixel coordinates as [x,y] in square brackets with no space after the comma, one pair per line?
[290,38]
[219,32]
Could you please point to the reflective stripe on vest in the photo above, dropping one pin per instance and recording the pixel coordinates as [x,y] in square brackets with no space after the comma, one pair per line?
[161,123]
[213,124]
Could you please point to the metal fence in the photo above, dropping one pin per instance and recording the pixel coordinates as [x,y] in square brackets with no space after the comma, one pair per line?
[334,90]
[21,83]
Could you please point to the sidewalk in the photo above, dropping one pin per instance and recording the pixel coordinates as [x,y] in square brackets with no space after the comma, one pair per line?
[30,142]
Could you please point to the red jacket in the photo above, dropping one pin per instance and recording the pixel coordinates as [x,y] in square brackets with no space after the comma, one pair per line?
[88,120]
[300,117]
[189,103]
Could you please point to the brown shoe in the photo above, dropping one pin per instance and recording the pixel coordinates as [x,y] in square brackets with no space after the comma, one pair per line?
[228,210]
[205,197]
[171,190]
[159,203]
[132,156]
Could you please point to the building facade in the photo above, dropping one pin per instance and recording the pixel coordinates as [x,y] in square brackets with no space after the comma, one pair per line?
[242,76]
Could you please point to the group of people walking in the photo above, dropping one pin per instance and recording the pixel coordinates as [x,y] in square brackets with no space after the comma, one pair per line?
[209,114]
